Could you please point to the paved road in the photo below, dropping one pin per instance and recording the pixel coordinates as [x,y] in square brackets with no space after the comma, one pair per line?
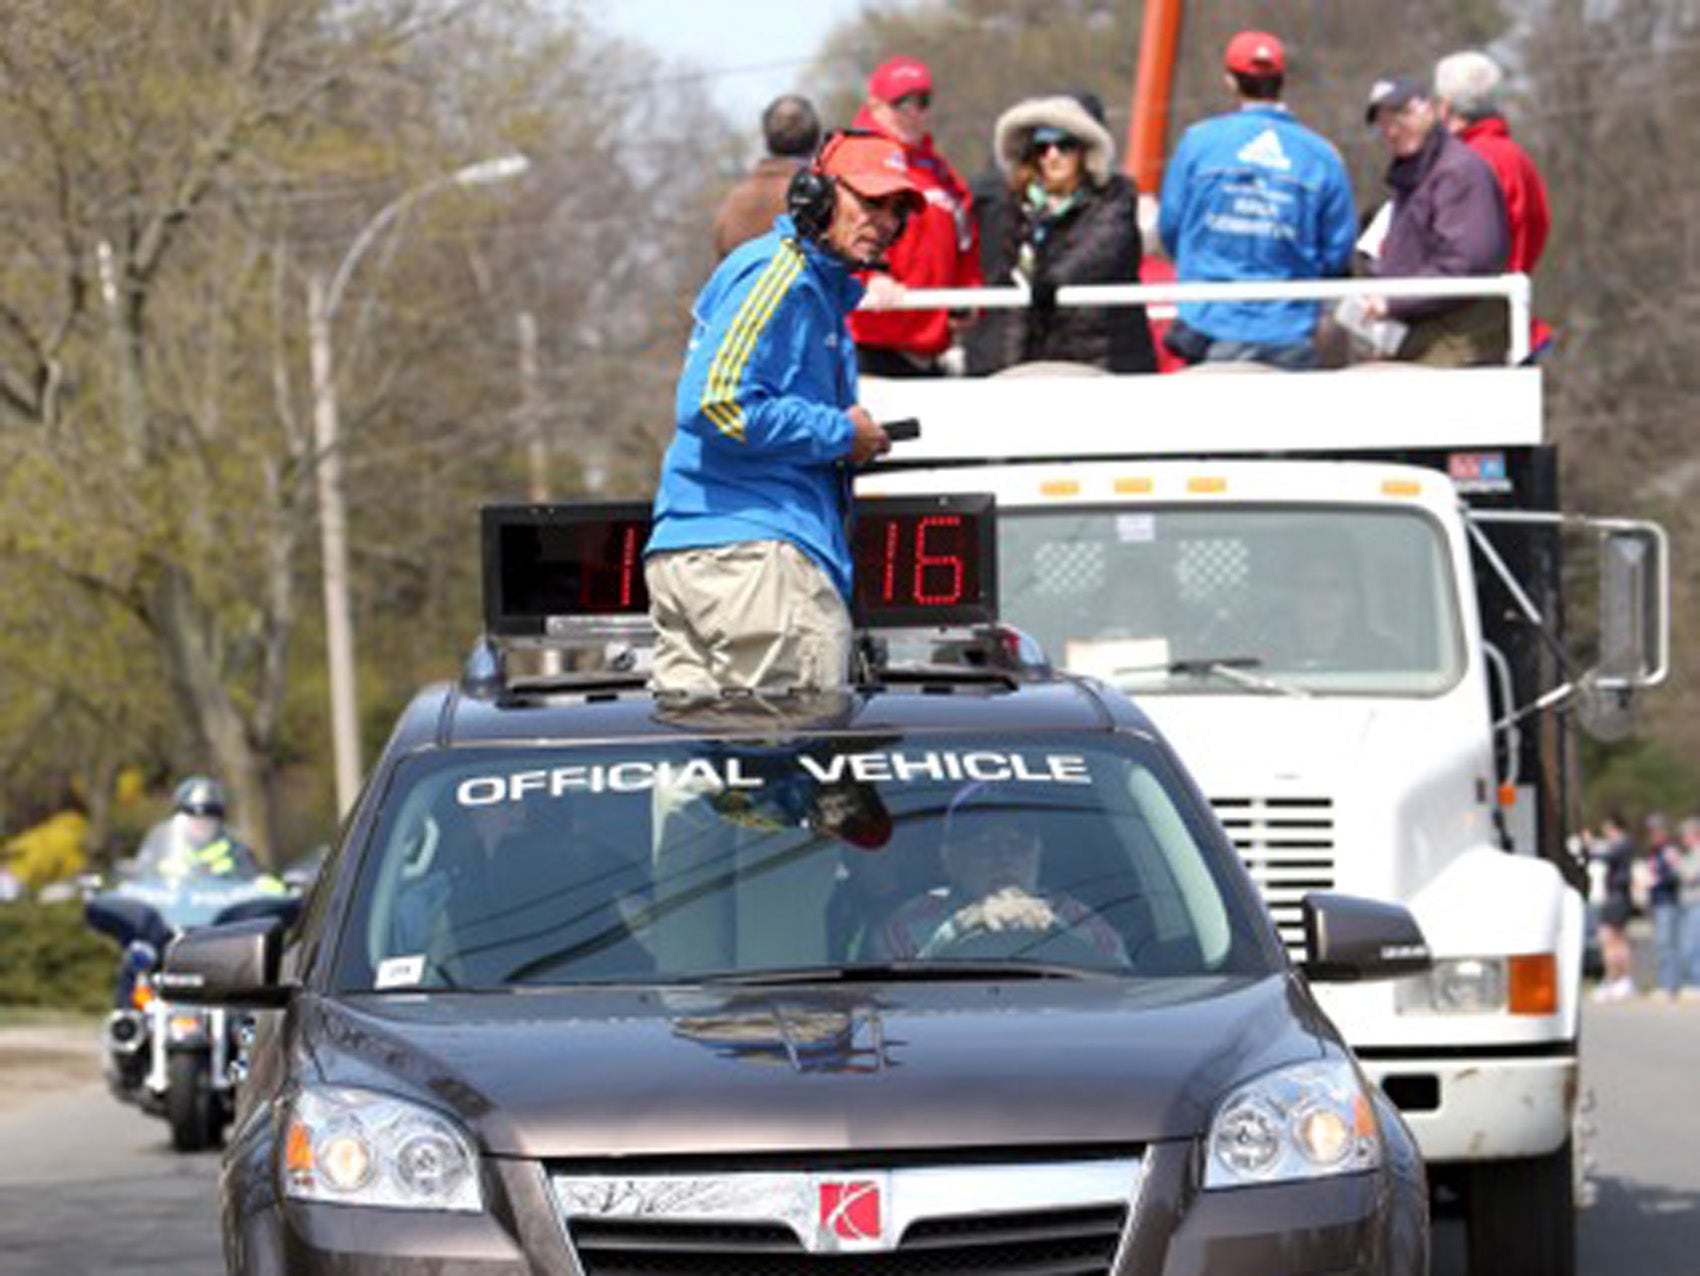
[87,1185]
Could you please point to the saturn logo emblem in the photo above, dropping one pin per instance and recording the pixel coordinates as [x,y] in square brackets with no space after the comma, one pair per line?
[851,1214]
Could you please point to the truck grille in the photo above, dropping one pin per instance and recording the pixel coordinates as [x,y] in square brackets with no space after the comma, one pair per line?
[1041,1243]
[1287,845]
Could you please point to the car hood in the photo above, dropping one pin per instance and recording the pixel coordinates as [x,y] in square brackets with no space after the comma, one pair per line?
[574,1073]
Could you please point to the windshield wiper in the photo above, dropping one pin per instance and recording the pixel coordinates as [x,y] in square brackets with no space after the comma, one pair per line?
[1233,669]
[917,971]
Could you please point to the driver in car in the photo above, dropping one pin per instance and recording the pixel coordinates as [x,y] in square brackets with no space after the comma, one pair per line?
[992,857]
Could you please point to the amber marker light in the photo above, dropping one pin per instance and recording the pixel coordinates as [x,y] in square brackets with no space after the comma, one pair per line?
[1137,485]
[1059,487]
[1206,483]
[1401,487]
[298,1154]
[1533,979]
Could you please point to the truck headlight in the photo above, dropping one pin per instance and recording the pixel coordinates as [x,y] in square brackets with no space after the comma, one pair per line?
[1307,1120]
[360,1147]
[1524,984]
[1457,986]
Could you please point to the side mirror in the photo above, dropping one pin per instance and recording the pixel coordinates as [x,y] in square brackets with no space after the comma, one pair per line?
[229,965]
[1634,607]
[1348,938]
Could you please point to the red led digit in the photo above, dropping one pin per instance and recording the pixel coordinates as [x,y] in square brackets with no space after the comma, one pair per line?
[952,562]
[628,559]
[889,585]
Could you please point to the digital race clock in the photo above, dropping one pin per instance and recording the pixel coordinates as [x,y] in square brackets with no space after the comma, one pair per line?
[919,560]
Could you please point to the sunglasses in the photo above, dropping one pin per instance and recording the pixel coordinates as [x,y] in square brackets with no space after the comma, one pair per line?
[917,101]
[1067,145]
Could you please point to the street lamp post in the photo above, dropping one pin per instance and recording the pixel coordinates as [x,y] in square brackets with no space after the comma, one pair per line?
[323,300]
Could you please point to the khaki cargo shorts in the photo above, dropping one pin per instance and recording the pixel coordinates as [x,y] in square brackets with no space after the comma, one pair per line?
[753,614]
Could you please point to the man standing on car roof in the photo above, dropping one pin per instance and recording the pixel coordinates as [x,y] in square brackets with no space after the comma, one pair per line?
[749,565]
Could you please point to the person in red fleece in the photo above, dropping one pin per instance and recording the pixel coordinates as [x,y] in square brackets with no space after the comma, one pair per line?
[1467,91]
[940,248]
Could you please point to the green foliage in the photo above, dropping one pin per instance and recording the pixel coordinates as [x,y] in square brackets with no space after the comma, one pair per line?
[48,958]
[1633,778]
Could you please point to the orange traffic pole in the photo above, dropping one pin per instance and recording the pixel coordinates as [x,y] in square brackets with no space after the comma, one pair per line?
[1147,130]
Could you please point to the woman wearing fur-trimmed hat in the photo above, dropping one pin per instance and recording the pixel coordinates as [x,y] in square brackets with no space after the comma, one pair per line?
[1065,217]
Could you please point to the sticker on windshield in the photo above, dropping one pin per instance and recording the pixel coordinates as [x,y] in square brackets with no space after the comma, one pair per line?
[712,775]
[401,972]
[1136,529]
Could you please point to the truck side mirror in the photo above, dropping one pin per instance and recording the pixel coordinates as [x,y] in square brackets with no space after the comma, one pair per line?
[1348,938]
[1634,611]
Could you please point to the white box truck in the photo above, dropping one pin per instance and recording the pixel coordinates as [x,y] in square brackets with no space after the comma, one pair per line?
[1342,595]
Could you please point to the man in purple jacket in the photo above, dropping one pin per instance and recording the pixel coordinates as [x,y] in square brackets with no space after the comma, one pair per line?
[1448,219]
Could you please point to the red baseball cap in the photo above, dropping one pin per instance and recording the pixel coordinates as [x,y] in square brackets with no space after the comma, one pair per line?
[896,77]
[870,165]
[1255,53]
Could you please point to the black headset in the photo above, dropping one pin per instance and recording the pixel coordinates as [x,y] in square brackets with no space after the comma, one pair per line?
[813,192]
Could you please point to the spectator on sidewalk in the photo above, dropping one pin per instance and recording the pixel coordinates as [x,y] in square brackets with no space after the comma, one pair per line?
[1689,895]
[1254,194]
[1448,220]
[1064,216]
[791,130]
[1467,93]
[1617,852]
[940,248]
[1664,902]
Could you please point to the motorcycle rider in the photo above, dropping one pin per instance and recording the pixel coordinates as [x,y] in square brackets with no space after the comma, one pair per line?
[195,839]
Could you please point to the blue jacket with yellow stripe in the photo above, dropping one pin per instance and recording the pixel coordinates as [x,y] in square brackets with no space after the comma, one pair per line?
[761,407]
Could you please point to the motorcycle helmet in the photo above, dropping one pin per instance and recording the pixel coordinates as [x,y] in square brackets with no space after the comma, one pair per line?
[199,795]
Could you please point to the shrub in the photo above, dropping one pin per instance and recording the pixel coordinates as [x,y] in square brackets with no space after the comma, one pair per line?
[49,958]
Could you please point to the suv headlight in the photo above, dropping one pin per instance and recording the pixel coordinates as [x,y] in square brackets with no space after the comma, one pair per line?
[360,1147]
[1306,1120]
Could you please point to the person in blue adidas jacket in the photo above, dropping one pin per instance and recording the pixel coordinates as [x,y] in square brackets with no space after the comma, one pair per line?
[1254,194]
[748,566]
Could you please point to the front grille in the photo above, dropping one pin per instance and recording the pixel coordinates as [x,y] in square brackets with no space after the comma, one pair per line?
[1287,845]
[1068,1242]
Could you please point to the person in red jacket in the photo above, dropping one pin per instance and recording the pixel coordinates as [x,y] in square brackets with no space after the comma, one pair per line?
[940,248]
[1467,94]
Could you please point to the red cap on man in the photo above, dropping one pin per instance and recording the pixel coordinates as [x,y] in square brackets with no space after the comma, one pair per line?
[1255,53]
[870,165]
[899,77]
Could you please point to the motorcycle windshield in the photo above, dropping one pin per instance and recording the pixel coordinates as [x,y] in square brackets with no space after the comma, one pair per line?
[194,899]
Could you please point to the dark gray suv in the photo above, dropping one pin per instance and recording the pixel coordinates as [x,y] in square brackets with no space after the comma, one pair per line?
[953,972]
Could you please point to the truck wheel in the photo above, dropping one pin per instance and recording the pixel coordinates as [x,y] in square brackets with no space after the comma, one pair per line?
[190,1104]
[1521,1216]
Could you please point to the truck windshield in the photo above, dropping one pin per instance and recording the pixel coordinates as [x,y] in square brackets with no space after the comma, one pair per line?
[1237,600]
[678,861]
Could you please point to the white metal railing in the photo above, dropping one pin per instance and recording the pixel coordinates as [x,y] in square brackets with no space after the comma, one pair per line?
[1159,298]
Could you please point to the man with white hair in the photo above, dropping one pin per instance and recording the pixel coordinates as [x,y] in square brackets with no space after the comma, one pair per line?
[1467,89]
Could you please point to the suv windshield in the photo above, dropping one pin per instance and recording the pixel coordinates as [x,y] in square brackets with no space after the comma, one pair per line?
[1237,599]
[674,860]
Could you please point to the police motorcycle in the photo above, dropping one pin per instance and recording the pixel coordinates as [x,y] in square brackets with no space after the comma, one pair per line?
[177,1061]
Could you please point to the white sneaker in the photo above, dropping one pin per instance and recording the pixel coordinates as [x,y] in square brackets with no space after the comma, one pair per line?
[1615,990]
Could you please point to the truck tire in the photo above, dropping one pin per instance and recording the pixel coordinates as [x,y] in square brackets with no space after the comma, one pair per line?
[1521,1216]
[190,1104]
